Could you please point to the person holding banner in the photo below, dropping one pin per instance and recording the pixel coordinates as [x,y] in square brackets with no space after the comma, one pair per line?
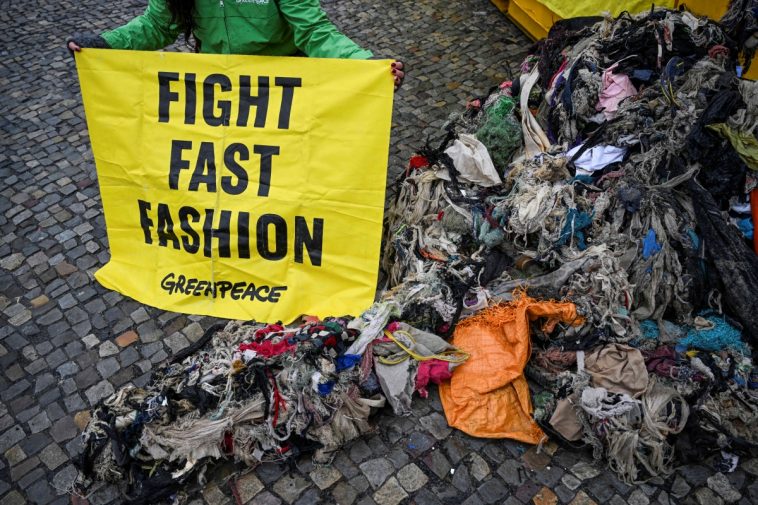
[253,27]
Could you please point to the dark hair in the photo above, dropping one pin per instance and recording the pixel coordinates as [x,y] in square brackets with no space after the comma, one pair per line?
[181,14]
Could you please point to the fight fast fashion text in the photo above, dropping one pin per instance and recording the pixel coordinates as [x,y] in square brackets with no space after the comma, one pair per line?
[198,166]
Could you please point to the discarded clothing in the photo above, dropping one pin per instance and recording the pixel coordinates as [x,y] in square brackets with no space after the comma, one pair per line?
[246,392]
[596,158]
[397,361]
[616,87]
[432,371]
[744,143]
[618,368]
[397,381]
[472,161]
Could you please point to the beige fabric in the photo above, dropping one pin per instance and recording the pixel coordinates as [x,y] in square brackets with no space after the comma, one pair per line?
[618,368]
[566,421]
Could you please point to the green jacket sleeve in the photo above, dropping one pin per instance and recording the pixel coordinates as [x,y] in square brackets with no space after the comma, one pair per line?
[148,32]
[315,35]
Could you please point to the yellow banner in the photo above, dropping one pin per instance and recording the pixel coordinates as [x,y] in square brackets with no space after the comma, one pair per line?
[242,187]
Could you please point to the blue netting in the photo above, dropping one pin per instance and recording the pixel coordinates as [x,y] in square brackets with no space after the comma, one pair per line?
[649,329]
[721,336]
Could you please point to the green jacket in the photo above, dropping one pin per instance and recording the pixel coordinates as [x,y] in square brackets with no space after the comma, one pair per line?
[263,27]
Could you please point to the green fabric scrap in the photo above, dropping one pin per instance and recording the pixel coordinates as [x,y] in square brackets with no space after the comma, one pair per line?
[743,142]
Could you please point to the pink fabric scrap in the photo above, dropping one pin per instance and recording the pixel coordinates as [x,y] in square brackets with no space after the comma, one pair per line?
[616,87]
[432,370]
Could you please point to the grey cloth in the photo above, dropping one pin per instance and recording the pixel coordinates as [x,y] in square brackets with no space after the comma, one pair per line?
[397,383]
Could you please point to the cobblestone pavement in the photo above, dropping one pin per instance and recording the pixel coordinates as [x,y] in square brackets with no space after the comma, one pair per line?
[65,342]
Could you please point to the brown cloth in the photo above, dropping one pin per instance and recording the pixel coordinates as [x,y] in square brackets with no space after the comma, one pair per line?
[615,367]
[618,368]
[565,419]
[488,395]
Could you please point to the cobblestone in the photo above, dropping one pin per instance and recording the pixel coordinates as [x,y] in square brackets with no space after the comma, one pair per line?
[344,494]
[63,429]
[40,422]
[720,485]
[390,493]
[248,486]
[290,487]
[493,491]
[15,455]
[418,443]
[512,472]
[462,479]
[584,471]
[52,456]
[108,367]
[376,471]
[479,467]
[436,424]
[325,476]
[412,478]
[99,391]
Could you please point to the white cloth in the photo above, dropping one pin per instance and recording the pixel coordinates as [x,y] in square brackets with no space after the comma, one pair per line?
[535,140]
[602,404]
[596,158]
[472,161]
[371,325]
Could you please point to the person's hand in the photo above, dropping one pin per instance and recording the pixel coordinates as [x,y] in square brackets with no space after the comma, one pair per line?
[75,43]
[397,73]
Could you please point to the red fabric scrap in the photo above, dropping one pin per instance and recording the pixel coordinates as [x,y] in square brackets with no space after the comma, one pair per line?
[418,161]
[228,443]
[393,327]
[474,104]
[716,50]
[268,348]
[271,328]
[279,401]
[432,370]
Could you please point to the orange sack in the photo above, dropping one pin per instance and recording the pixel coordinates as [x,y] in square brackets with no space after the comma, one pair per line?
[488,395]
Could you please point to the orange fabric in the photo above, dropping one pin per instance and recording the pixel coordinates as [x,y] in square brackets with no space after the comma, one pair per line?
[488,395]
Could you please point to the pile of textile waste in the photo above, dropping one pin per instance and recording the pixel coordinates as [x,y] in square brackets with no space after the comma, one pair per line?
[613,174]
[254,392]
